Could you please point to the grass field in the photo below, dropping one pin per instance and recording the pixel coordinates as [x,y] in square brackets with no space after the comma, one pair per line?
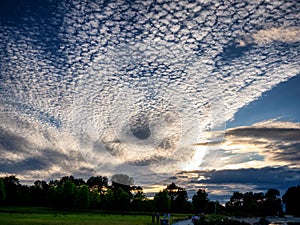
[80,219]
[41,217]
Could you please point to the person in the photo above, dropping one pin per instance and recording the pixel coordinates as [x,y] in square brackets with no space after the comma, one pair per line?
[195,219]
[157,217]
[153,217]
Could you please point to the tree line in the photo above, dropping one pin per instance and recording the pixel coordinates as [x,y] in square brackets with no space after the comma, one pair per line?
[121,195]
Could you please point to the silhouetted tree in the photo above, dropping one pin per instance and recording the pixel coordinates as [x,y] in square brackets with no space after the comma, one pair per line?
[54,183]
[162,201]
[108,200]
[100,183]
[82,197]
[12,190]
[54,196]
[291,199]
[256,204]
[122,199]
[272,203]
[65,179]
[259,200]
[235,203]
[200,200]
[178,198]
[39,193]
[180,204]
[248,199]
[237,200]
[172,190]
[25,195]
[253,203]
[68,193]
[94,198]
[2,191]
[78,182]
[138,202]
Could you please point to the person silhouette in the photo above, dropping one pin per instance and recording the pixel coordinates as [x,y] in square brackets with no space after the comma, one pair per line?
[157,217]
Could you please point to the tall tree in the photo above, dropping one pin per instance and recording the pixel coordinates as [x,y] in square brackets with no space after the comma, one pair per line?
[272,203]
[94,198]
[54,196]
[82,197]
[12,190]
[200,200]
[237,200]
[180,203]
[139,199]
[250,204]
[172,190]
[2,191]
[68,193]
[108,200]
[122,199]
[291,199]
[259,200]
[162,201]
[39,192]
[178,197]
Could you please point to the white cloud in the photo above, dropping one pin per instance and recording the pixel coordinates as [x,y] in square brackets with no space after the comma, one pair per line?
[118,60]
[288,35]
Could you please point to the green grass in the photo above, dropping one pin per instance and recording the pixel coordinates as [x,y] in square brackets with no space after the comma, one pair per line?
[44,216]
[69,219]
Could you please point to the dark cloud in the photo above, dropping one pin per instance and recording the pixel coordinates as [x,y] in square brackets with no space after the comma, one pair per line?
[25,157]
[12,142]
[288,152]
[287,134]
[267,175]
[277,142]
[13,167]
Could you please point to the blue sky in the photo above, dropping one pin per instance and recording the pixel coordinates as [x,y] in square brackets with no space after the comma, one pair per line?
[203,92]
[282,103]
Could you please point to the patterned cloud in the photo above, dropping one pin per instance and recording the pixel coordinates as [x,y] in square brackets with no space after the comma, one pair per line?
[133,85]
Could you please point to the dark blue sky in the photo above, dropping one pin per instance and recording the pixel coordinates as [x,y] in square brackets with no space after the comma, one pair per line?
[282,103]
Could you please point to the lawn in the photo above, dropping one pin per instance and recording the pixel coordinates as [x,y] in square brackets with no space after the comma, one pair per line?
[80,219]
[21,217]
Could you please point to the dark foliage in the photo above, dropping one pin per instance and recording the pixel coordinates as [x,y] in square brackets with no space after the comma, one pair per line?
[291,199]
[95,193]
[255,204]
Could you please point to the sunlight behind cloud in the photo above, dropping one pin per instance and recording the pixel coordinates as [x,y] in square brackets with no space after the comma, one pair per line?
[267,143]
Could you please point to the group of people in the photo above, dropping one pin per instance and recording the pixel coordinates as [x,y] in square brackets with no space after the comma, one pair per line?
[164,221]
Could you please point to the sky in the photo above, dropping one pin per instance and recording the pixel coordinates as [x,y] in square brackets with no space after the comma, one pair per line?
[200,93]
